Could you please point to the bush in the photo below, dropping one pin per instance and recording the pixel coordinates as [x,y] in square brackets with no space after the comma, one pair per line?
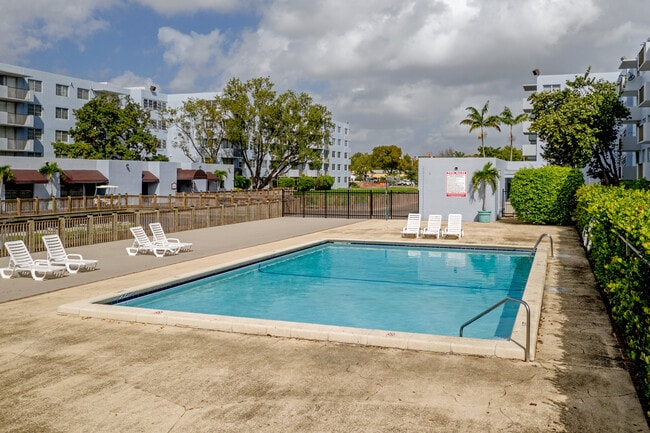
[354,185]
[602,215]
[286,182]
[306,183]
[242,182]
[324,183]
[545,195]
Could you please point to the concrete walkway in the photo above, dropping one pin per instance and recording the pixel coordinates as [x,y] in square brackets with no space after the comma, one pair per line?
[70,374]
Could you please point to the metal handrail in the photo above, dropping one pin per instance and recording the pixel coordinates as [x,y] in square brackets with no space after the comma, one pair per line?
[503,301]
[540,239]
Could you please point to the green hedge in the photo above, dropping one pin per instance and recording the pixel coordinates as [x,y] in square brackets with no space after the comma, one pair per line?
[602,214]
[545,195]
[286,182]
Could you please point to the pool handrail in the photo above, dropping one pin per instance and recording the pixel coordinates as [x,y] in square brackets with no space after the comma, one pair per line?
[540,239]
[503,301]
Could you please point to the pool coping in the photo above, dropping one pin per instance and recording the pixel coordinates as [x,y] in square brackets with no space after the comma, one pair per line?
[514,348]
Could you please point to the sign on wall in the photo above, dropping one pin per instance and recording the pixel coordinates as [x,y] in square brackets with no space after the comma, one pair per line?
[456,181]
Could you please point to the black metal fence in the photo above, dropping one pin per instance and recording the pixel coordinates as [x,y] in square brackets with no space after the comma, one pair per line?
[350,203]
[506,210]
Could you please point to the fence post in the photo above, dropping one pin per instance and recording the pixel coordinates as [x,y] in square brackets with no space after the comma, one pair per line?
[61,229]
[175,223]
[207,216]
[137,218]
[114,226]
[19,206]
[30,235]
[90,235]
[69,204]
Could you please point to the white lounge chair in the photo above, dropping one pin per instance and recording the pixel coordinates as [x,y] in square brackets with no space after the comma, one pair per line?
[57,256]
[21,262]
[412,225]
[454,226]
[160,237]
[433,226]
[142,244]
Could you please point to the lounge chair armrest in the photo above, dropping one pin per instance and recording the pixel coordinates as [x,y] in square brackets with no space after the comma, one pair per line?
[174,240]
[41,262]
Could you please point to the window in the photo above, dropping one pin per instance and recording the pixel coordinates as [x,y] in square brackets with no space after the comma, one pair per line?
[550,87]
[61,90]
[34,134]
[61,113]
[35,85]
[83,93]
[62,136]
[35,109]
[151,104]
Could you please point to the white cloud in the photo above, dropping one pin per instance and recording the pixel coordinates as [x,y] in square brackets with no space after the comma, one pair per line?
[171,7]
[43,23]
[130,79]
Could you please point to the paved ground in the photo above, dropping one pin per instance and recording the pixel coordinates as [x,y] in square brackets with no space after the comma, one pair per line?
[69,374]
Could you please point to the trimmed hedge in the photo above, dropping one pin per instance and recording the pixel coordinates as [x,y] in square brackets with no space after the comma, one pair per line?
[602,214]
[545,195]
[286,182]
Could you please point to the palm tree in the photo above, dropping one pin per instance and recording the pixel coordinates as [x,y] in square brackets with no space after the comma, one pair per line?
[488,175]
[5,175]
[507,119]
[480,120]
[49,170]
[221,175]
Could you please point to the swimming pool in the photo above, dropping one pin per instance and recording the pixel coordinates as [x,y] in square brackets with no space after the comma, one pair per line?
[504,345]
[407,288]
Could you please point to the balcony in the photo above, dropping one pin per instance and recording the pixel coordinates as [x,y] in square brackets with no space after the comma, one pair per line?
[529,149]
[627,63]
[632,86]
[644,57]
[12,145]
[16,120]
[644,100]
[629,143]
[642,134]
[527,106]
[635,115]
[14,94]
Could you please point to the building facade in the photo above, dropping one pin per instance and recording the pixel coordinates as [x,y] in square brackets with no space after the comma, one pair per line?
[37,109]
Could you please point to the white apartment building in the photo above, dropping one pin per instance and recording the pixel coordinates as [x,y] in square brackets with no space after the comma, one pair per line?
[546,83]
[634,82]
[37,109]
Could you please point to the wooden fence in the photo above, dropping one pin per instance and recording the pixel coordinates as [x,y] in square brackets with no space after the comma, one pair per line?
[190,212]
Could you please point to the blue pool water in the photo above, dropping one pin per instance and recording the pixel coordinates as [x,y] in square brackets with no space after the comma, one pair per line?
[421,289]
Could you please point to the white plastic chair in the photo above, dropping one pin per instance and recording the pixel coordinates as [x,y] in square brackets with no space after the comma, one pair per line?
[142,244]
[433,226]
[160,237]
[454,226]
[412,225]
[57,256]
[21,262]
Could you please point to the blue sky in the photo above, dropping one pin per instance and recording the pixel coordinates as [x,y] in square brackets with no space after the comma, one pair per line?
[399,72]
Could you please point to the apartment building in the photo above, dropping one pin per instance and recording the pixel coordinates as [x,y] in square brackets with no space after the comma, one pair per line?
[634,84]
[37,109]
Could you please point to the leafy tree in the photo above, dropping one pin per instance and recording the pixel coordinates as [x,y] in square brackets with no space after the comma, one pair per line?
[450,152]
[507,118]
[6,175]
[480,120]
[387,158]
[109,128]
[221,175]
[242,182]
[488,175]
[287,129]
[200,127]
[49,170]
[305,183]
[324,183]
[580,125]
[409,166]
[361,164]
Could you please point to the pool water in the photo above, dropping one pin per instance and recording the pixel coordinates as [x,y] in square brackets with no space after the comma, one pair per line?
[417,289]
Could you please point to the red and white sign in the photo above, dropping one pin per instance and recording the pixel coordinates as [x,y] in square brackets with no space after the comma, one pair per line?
[456,184]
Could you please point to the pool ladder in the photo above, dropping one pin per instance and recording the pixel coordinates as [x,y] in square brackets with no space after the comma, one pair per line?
[503,301]
[550,238]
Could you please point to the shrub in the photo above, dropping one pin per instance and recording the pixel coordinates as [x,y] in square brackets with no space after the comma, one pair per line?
[324,183]
[306,183]
[602,215]
[286,182]
[242,182]
[354,185]
[545,195]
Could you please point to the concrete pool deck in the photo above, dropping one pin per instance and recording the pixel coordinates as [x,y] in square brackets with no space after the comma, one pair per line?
[64,373]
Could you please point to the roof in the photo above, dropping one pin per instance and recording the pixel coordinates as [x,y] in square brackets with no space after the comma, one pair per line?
[27,176]
[149,177]
[84,176]
[211,176]
[184,174]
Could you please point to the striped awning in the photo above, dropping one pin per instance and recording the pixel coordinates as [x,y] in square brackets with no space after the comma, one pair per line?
[83,176]
[149,177]
[27,177]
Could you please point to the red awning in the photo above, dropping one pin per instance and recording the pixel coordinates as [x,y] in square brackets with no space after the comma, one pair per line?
[27,177]
[211,176]
[83,176]
[183,174]
[149,177]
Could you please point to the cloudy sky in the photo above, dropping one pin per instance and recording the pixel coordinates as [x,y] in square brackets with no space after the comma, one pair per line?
[400,72]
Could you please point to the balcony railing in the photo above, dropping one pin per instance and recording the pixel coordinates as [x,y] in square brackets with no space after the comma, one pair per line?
[13,145]
[13,119]
[15,94]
